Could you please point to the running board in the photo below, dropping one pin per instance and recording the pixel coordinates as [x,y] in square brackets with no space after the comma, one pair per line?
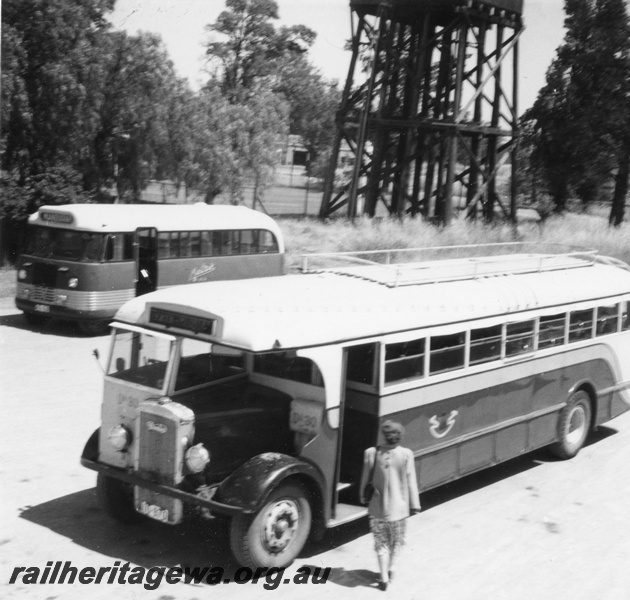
[347,513]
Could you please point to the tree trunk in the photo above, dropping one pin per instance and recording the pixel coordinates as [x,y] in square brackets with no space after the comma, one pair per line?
[618,208]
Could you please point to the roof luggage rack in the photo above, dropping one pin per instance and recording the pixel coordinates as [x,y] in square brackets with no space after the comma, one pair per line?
[416,266]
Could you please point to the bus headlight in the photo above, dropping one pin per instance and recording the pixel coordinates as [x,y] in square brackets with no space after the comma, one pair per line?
[119,437]
[73,282]
[197,457]
[22,274]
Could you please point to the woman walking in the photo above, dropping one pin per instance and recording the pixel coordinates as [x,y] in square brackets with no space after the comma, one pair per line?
[389,487]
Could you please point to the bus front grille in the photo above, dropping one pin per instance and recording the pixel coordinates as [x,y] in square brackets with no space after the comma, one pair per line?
[157,450]
[162,435]
[39,293]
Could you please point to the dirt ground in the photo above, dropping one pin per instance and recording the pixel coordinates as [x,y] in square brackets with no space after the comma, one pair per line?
[531,529]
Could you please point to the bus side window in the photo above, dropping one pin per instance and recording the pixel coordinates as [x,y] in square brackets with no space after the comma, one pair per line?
[247,242]
[267,242]
[447,352]
[360,364]
[485,344]
[625,316]
[519,338]
[221,243]
[195,243]
[184,244]
[551,331]
[206,243]
[174,244]
[607,318]
[404,360]
[580,325]
[164,244]
[226,243]
[236,242]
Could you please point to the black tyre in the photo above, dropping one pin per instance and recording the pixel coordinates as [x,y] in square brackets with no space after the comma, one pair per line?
[35,319]
[94,327]
[116,499]
[573,426]
[274,536]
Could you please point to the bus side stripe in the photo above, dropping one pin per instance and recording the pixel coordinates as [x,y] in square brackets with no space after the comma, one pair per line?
[490,430]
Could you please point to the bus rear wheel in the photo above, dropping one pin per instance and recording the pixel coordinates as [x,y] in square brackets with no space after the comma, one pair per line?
[116,498]
[573,426]
[275,535]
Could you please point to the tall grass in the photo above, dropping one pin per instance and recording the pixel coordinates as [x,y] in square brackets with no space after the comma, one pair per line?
[581,231]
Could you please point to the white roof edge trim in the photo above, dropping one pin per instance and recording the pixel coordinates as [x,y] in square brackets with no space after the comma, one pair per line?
[119,325]
[116,218]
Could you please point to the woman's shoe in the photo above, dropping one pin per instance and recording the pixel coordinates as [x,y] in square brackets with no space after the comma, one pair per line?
[382,585]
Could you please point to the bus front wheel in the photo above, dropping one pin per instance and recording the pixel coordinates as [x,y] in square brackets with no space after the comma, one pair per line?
[94,327]
[276,534]
[573,426]
[116,498]
[36,319]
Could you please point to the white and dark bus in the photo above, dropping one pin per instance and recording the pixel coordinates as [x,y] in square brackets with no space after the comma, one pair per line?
[254,400]
[82,262]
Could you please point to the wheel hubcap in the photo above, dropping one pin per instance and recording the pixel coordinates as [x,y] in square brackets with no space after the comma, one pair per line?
[280,525]
[576,425]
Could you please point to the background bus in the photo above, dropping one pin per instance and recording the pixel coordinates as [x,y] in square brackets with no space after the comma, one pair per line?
[481,359]
[83,261]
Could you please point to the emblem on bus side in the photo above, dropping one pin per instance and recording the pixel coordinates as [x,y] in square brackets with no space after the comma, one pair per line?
[442,424]
[200,272]
[159,427]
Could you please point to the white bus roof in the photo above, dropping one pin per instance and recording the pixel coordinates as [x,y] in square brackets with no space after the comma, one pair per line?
[164,217]
[305,310]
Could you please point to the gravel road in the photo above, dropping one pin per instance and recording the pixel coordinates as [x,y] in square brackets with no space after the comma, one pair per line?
[532,529]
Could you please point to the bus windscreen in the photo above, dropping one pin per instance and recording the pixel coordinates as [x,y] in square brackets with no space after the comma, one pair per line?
[48,242]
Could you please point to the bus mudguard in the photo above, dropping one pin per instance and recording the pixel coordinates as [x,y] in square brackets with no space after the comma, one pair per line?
[90,451]
[249,485]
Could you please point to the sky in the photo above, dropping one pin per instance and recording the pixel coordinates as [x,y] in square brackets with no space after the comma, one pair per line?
[181,24]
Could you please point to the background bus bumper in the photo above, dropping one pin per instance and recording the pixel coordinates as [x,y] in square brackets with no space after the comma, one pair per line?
[58,311]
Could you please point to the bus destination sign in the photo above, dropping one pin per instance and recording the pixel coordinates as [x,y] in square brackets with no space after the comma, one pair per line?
[55,217]
[169,318]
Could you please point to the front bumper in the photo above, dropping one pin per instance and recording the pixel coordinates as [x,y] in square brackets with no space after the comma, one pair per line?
[186,497]
[59,311]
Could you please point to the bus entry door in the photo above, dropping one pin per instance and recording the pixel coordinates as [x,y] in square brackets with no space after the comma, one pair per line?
[145,249]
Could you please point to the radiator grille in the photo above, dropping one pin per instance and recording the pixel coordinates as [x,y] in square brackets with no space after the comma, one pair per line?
[43,294]
[158,451]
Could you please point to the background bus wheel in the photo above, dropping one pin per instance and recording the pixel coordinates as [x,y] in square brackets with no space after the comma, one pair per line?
[116,498]
[94,327]
[277,533]
[36,320]
[573,426]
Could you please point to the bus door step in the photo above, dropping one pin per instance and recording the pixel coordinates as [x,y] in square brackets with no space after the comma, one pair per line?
[345,513]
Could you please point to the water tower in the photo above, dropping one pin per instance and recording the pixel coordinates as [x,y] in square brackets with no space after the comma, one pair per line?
[428,121]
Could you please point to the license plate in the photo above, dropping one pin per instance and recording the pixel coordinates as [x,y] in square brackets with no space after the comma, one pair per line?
[43,308]
[158,506]
[154,511]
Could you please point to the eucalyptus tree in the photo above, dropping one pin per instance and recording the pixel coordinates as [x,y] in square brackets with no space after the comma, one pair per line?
[50,69]
[579,125]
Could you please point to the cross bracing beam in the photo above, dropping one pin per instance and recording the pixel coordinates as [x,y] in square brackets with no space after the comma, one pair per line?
[428,105]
